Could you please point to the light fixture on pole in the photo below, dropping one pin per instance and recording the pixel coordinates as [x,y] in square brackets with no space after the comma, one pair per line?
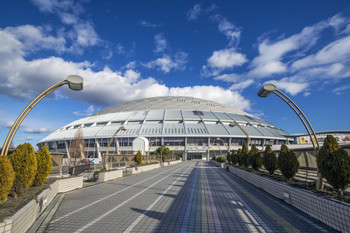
[74,82]
[149,149]
[265,91]
[233,124]
[121,128]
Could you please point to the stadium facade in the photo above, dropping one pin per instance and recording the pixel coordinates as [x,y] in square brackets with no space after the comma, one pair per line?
[192,128]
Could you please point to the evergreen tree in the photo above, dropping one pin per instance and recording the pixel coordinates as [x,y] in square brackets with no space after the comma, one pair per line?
[269,160]
[7,176]
[334,164]
[256,159]
[44,163]
[24,163]
[287,162]
[239,157]
[138,157]
[245,155]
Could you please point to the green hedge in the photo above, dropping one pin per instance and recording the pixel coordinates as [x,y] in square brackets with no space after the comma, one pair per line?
[44,163]
[7,176]
[24,163]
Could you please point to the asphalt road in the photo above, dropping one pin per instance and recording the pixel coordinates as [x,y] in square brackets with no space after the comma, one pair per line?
[187,197]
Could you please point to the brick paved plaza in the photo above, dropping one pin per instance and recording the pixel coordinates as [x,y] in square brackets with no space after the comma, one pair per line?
[187,197]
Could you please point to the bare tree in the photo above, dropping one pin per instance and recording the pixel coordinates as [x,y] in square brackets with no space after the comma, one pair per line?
[77,149]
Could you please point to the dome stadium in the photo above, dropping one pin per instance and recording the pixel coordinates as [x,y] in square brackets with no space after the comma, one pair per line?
[191,128]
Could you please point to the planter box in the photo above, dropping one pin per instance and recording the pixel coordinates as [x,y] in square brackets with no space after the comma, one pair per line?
[26,216]
[110,175]
[218,164]
[332,213]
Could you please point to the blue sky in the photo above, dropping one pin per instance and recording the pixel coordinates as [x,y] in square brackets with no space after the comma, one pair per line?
[218,50]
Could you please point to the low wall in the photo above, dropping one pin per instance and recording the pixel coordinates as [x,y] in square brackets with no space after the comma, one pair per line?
[110,175]
[218,164]
[26,216]
[332,213]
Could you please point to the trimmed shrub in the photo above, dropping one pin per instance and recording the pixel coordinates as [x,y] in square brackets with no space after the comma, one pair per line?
[163,158]
[269,160]
[287,162]
[214,158]
[239,157]
[245,155]
[24,164]
[221,159]
[228,157]
[138,157]
[7,176]
[334,164]
[255,157]
[234,157]
[178,157]
[44,164]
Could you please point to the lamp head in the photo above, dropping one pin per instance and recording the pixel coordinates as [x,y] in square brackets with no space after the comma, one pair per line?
[75,82]
[266,90]
[122,128]
[232,124]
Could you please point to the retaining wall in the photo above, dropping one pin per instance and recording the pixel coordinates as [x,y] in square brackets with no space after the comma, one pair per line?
[332,213]
[26,216]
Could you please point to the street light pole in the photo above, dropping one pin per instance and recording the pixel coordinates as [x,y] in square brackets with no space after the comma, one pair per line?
[149,149]
[228,149]
[74,82]
[265,91]
[240,127]
[121,128]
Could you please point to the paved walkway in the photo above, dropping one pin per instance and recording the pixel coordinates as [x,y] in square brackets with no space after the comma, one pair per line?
[187,197]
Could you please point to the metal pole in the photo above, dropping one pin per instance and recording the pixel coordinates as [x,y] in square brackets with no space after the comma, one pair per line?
[319,179]
[25,112]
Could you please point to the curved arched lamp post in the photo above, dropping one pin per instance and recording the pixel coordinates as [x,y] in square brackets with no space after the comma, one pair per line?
[149,149]
[74,82]
[121,128]
[240,127]
[265,91]
[228,149]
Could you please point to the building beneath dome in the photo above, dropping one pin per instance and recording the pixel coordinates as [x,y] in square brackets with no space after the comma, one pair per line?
[192,128]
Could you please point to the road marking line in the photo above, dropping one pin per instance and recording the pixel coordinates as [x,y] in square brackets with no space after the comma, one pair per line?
[132,225]
[111,195]
[121,204]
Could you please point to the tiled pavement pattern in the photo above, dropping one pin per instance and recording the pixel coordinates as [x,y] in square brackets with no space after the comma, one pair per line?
[187,197]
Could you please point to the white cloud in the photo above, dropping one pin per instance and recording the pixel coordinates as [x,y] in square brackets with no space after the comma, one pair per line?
[227,28]
[273,53]
[242,85]
[226,58]
[25,139]
[102,88]
[148,24]
[221,60]
[166,63]
[160,42]
[81,32]
[30,38]
[335,52]
[87,112]
[340,90]
[38,130]
[289,85]
[194,13]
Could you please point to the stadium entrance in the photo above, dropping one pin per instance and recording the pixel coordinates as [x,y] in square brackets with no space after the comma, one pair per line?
[195,156]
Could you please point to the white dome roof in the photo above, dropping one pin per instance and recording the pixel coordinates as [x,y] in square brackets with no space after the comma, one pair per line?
[172,102]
